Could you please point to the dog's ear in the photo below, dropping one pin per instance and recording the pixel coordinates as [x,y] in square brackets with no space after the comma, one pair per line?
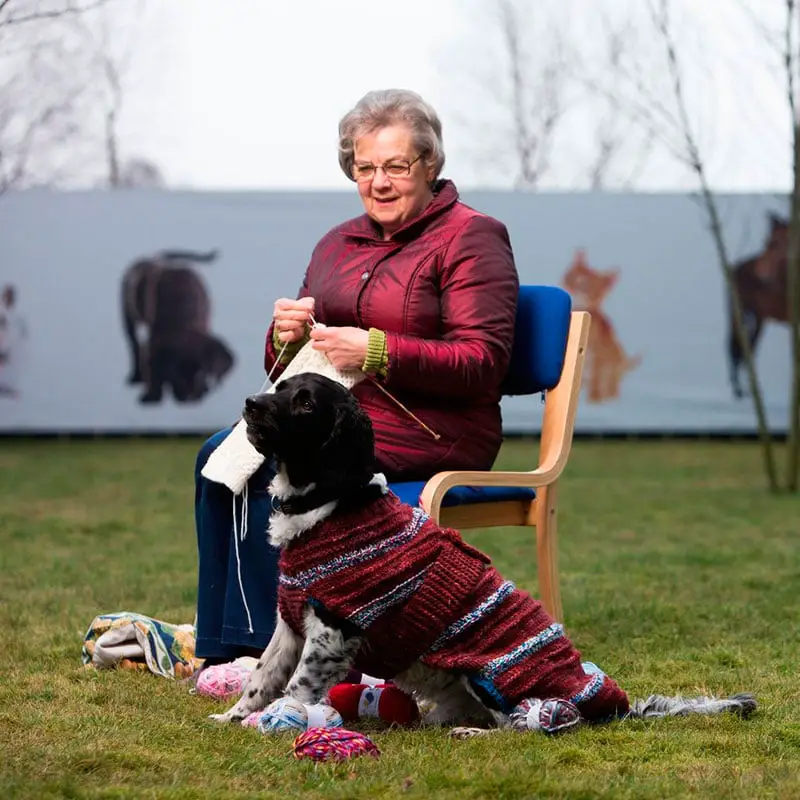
[352,442]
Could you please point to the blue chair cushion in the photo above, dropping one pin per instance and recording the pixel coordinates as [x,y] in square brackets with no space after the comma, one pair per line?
[540,340]
[410,491]
[537,358]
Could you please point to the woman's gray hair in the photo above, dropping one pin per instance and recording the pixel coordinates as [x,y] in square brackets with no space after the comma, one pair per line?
[384,107]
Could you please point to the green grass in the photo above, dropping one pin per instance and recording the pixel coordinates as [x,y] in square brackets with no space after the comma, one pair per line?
[680,573]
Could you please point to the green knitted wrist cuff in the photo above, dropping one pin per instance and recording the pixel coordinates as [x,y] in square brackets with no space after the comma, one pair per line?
[377,360]
[291,350]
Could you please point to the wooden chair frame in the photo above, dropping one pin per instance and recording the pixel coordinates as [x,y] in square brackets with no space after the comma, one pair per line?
[558,425]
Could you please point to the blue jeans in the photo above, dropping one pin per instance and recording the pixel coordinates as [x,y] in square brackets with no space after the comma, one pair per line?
[223,623]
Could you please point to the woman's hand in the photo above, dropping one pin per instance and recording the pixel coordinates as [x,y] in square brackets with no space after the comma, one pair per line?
[346,348]
[291,316]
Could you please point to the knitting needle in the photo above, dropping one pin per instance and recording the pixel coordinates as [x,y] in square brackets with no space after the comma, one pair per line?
[416,419]
[410,414]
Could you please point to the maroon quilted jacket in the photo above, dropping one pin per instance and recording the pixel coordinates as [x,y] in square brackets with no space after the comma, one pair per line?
[444,288]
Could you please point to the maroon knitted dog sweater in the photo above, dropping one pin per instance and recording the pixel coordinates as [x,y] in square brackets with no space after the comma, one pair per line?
[419,592]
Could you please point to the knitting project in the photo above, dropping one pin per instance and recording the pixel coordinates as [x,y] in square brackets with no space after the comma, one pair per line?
[235,460]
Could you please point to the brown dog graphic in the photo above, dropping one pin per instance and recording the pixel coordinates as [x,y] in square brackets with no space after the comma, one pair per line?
[166,316]
[606,360]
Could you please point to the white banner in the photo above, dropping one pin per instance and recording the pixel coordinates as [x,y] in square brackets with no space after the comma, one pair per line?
[79,268]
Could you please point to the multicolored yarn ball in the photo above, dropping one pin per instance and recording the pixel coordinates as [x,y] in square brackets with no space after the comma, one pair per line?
[286,713]
[223,681]
[336,744]
[385,702]
[549,716]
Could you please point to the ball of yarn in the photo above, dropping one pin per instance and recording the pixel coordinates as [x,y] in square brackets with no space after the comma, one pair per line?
[251,720]
[286,713]
[549,716]
[223,681]
[385,702]
[337,744]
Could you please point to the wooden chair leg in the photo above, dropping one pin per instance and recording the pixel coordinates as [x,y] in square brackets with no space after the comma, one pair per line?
[547,550]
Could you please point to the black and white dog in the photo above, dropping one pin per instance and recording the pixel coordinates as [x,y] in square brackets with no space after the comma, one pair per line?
[368,582]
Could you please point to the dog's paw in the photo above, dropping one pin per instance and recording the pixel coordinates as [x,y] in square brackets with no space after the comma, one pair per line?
[228,716]
[471,733]
[743,704]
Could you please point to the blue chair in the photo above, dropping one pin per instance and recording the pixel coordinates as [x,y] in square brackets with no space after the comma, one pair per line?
[548,355]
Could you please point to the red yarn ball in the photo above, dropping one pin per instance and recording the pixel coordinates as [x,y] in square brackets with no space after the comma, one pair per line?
[385,702]
[337,744]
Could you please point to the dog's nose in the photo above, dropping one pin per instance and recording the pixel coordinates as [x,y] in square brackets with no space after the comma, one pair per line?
[256,401]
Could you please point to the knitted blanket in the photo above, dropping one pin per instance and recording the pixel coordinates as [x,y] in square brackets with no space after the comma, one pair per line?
[133,641]
[235,460]
[419,592]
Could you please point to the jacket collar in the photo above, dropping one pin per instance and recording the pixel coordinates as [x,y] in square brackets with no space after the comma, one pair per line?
[445,195]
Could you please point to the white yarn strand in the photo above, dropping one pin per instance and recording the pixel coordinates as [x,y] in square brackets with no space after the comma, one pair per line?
[236,548]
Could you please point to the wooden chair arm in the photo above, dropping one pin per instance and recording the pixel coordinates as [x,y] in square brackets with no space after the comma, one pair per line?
[437,487]
[558,424]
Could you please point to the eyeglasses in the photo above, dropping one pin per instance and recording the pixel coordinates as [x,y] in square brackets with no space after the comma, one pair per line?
[392,169]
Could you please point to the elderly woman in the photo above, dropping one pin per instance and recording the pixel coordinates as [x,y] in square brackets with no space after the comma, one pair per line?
[420,293]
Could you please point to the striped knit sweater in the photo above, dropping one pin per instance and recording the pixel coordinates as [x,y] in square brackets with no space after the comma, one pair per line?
[417,591]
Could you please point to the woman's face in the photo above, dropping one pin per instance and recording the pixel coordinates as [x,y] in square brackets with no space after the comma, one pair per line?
[391,199]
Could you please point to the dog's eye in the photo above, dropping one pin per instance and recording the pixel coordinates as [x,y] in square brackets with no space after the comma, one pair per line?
[307,406]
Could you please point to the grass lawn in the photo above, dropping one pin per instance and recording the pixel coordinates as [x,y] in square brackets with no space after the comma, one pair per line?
[680,574]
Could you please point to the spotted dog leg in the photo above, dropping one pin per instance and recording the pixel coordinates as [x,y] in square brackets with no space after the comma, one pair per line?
[269,677]
[327,656]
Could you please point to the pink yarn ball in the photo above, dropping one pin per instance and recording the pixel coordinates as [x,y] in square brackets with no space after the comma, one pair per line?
[222,681]
[251,720]
[338,744]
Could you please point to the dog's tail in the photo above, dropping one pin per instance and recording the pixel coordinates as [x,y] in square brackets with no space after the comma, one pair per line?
[190,255]
[659,705]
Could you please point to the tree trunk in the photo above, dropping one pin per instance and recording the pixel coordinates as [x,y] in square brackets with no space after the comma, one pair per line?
[764,435]
[697,165]
[793,301]
[793,256]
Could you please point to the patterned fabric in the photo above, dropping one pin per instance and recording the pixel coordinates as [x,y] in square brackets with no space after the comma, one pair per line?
[133,641]
[419,592]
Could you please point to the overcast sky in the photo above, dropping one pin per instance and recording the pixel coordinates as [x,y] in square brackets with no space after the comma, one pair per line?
[248,93]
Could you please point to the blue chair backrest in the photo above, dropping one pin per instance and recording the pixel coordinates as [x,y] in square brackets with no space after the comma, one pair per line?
[540,340]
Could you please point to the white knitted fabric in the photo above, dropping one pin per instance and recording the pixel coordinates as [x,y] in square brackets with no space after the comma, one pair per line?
[235,460]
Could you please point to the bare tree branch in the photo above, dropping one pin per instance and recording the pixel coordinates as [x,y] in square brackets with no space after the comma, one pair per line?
[661,20]
[40,108]
[756,22]
[62,86]
[67,9]
[533,130]
[614,135]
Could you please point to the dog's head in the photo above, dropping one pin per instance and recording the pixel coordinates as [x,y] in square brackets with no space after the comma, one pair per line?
[316,430]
